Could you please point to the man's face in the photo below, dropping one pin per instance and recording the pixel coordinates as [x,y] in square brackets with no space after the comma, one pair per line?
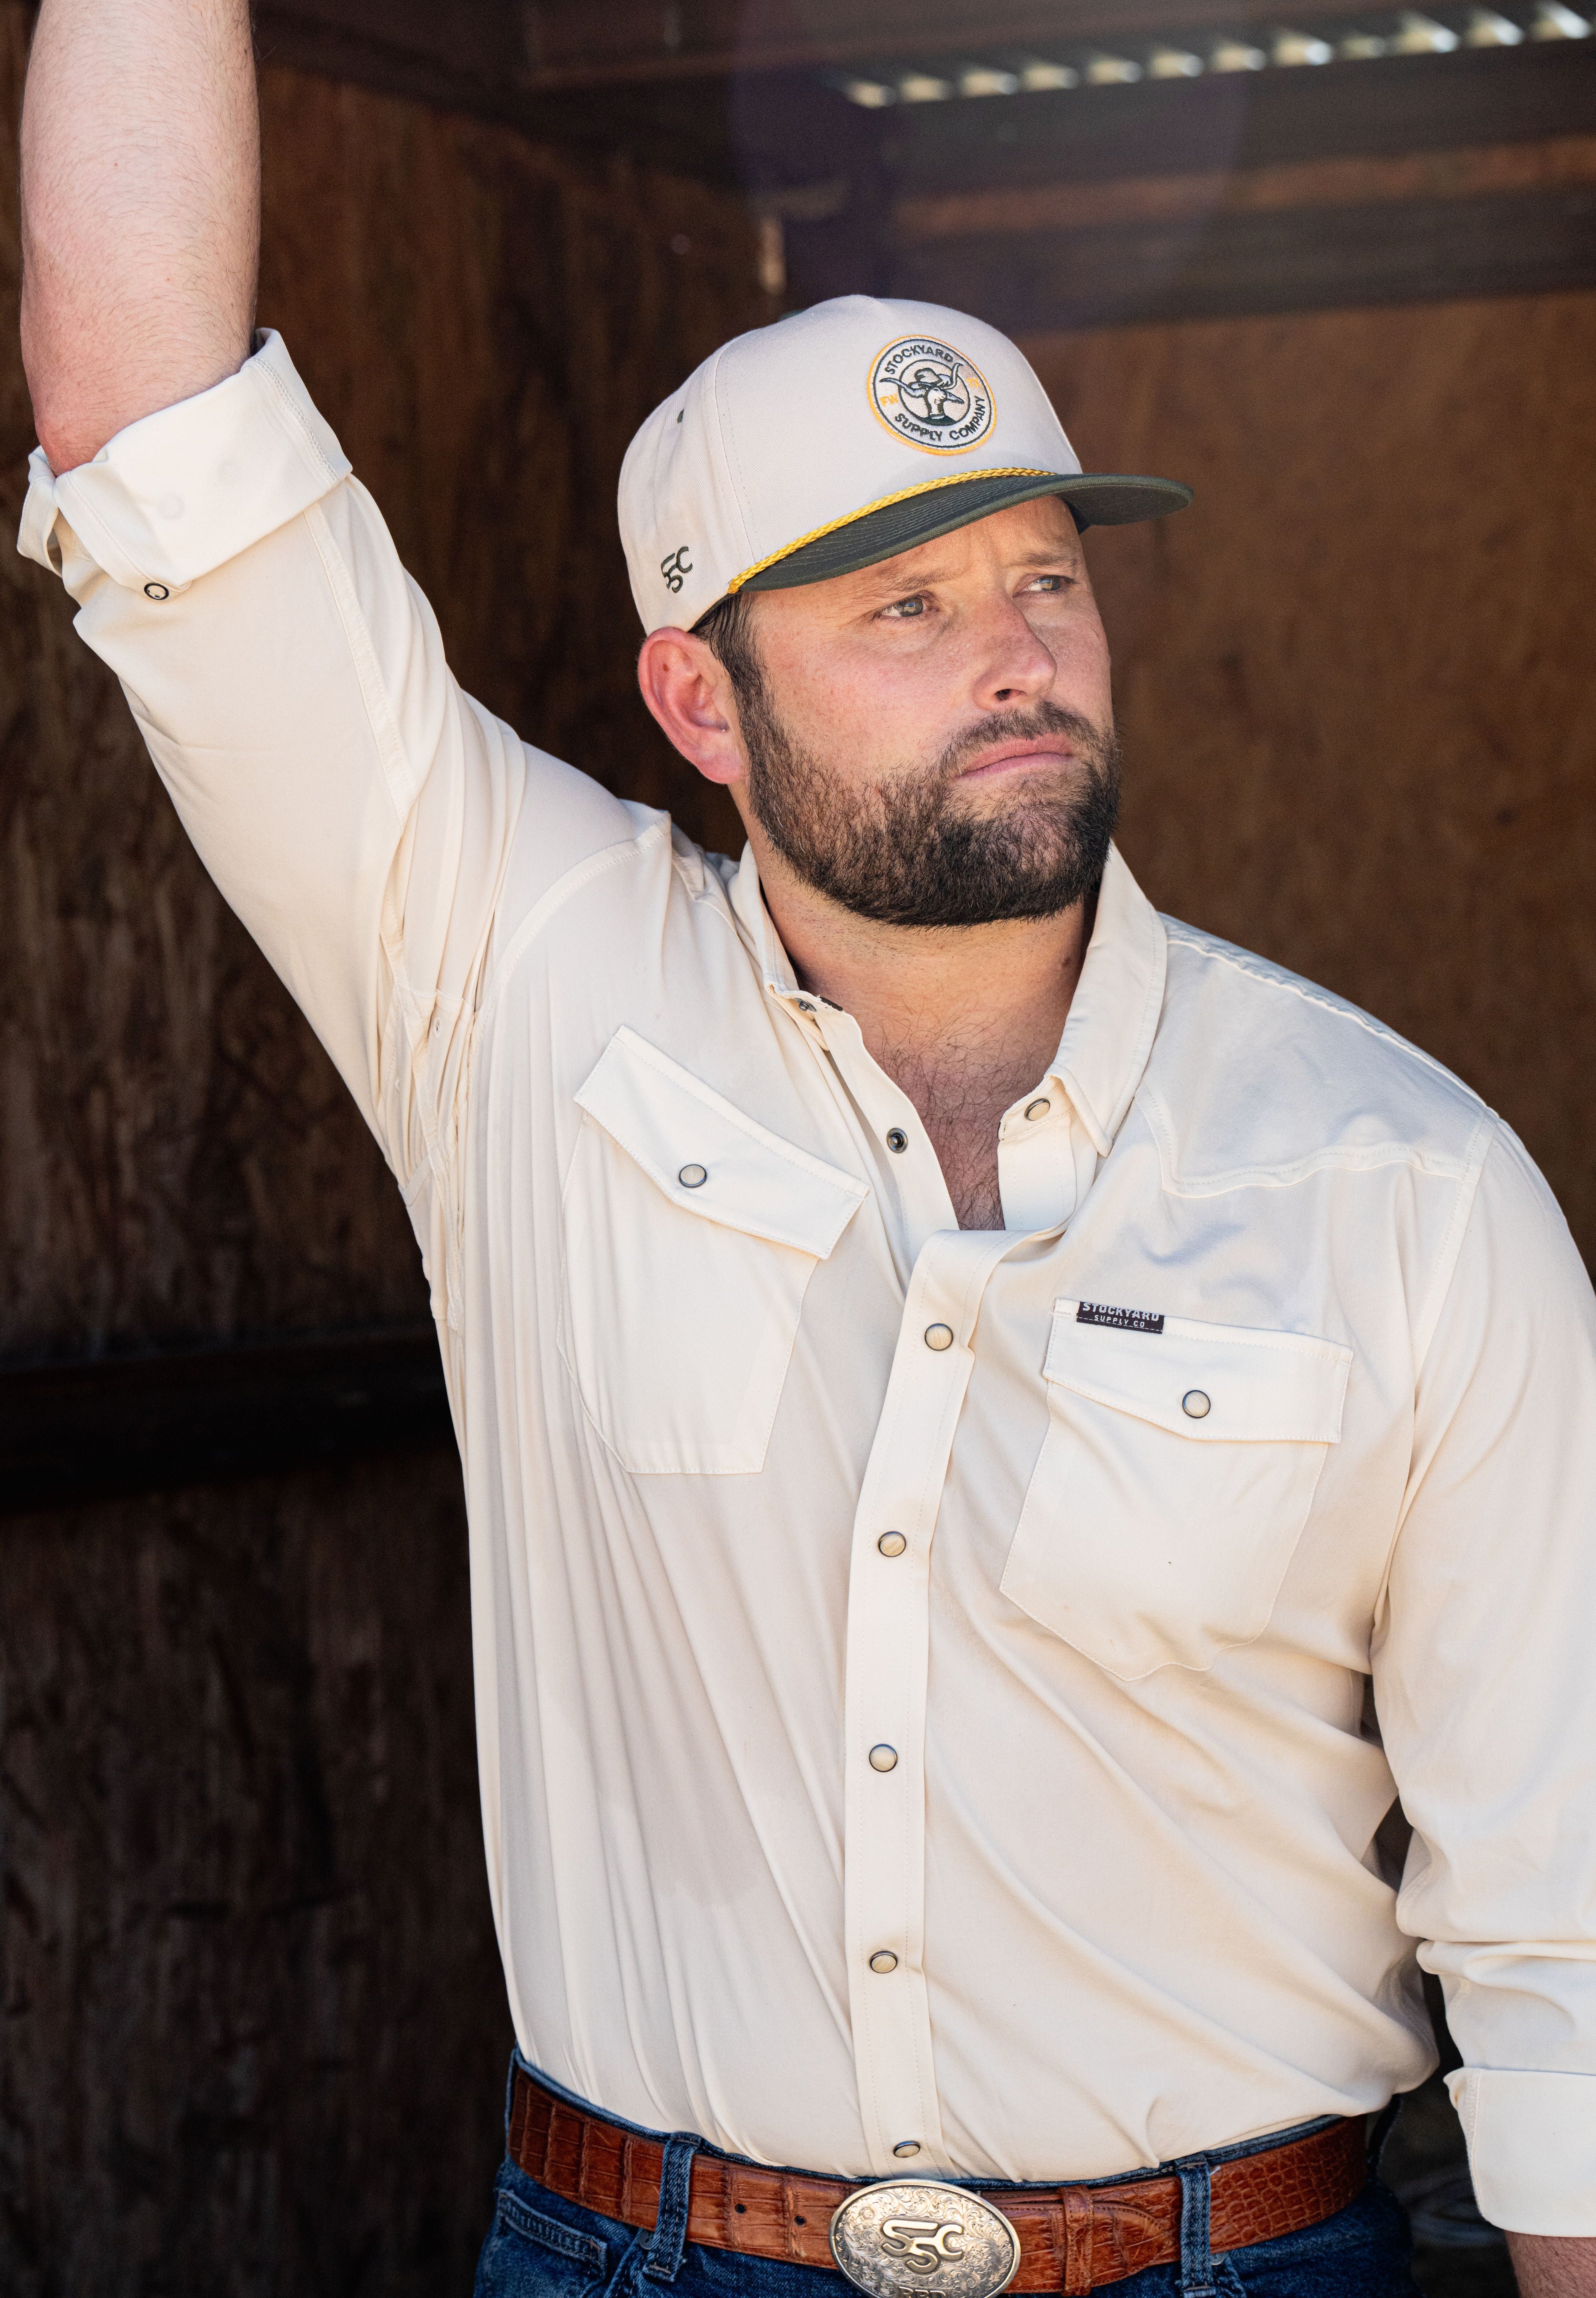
[931,743]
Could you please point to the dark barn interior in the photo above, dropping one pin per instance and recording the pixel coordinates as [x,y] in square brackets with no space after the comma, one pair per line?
[1338,271]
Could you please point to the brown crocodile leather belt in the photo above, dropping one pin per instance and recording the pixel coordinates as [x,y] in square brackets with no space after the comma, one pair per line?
[1071,2239]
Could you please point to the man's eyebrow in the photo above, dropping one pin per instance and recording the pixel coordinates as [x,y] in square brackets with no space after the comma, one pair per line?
[879,581]
[1068,548]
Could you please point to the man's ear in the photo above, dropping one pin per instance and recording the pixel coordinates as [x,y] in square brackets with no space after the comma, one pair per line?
[685,686]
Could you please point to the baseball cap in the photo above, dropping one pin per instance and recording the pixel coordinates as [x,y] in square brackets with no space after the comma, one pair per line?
[837,437]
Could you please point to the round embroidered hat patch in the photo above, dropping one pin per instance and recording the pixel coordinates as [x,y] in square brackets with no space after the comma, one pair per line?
[930,395]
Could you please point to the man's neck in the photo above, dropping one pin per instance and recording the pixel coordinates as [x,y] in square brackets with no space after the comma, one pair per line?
[965,1019]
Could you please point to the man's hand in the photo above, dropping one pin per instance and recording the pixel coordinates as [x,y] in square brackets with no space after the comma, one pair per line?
[141,174]
[1554,2265]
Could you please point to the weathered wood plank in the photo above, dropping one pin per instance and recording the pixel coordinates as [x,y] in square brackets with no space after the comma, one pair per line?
[71,1431]
[255,2029]
[1265,261]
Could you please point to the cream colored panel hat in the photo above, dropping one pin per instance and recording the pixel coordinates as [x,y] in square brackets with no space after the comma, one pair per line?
[838,437]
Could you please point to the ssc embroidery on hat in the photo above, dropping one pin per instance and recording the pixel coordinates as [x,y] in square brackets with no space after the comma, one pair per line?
[930,395]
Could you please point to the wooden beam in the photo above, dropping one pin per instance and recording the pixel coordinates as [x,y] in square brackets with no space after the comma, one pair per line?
[469,54]
[1246,119]
[989,205]
[1243,262]
[643,39]
[74,1431]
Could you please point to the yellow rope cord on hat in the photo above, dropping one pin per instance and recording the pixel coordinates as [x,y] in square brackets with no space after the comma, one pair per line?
[946,479]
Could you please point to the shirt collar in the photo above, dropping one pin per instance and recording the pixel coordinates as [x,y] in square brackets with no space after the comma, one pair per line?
[1114,1015]
[747,903]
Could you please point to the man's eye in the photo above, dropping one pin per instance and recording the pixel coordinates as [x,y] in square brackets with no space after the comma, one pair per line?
[1048,583]
[905,610]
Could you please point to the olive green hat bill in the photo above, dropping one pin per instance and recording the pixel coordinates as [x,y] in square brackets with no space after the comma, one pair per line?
[837,438]
[1096,499]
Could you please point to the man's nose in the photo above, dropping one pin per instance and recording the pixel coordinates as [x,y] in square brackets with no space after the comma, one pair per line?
[1017,666]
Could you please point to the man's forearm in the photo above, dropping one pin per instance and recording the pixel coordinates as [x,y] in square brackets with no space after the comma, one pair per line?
[1554,2266]
[140,211]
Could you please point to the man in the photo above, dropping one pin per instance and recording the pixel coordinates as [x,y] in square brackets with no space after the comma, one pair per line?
[963,1384]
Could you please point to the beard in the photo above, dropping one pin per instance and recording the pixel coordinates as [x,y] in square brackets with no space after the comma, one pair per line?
[902,851]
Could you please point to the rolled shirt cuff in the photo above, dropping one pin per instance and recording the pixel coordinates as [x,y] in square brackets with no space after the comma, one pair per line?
[181,492]
[1532,2147]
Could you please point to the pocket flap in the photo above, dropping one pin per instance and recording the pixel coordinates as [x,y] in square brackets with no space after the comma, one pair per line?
[670,1123]
[1248,1385]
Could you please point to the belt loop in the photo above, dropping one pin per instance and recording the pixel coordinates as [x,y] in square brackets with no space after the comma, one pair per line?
[1077,2242]
[1196,2251]
[662,2259]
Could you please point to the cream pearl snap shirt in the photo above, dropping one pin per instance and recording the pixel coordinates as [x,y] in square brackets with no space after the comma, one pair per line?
[922,1677]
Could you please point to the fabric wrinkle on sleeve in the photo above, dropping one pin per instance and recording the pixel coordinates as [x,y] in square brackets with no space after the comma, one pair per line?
[180,492]
[1487,1701]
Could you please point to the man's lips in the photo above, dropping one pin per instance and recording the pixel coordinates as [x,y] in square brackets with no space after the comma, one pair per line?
[1049,751]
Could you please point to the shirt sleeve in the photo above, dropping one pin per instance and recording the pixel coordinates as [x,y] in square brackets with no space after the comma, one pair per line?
[356,810]
[1486,1695]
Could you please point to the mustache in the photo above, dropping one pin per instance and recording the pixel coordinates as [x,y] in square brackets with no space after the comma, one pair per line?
[1032,725]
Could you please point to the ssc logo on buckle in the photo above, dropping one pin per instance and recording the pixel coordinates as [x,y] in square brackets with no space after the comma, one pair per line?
[911,2234]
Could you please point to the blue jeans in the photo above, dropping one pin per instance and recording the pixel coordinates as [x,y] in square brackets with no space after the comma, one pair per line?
[543,2247]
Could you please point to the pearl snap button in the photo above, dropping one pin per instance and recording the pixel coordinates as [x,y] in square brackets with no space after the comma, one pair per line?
[897,1140]
[1196,1405]
[883,1758]
[883,1961]
[938,1336]
[692,1177]
[905,2147]
[892,1544]
[1036,1109]
[156,590]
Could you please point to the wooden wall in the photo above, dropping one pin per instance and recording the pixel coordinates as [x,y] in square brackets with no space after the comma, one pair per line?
[255,2032]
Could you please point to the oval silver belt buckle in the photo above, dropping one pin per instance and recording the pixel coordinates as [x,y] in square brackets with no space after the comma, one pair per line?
[910,2235]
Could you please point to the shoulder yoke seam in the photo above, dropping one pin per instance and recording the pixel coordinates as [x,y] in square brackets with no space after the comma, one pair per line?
[1337,1009]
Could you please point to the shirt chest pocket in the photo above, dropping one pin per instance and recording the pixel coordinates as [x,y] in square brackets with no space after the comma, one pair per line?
[1173,1484]
[690,1235]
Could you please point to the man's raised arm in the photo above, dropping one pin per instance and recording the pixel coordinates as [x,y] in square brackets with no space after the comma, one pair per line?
[141,177]
[359,812]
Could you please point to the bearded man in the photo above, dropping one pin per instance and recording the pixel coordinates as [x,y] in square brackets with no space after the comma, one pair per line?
[1000,1433]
